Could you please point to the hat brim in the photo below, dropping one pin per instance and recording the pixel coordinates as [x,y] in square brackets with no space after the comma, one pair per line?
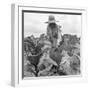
[51,21]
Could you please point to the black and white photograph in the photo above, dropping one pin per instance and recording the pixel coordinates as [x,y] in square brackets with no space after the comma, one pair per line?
[51,43]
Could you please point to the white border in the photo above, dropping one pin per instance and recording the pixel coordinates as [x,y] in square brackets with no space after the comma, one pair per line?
[17,48]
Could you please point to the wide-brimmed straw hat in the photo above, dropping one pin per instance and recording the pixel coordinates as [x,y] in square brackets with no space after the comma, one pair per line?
[51,19]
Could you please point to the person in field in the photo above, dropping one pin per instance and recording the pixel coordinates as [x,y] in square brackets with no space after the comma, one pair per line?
[53,31]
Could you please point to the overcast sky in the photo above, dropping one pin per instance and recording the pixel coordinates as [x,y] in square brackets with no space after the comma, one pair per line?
[34,23]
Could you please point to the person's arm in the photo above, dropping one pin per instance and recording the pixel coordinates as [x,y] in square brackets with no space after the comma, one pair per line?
[48,32]
[59,28]
[59,35]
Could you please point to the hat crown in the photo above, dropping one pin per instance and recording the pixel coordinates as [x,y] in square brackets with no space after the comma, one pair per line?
[51,18]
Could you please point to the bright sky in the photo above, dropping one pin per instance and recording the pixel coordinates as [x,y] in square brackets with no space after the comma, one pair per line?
[34,23]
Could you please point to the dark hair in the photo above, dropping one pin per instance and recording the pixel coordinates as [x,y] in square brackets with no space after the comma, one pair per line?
[52,25]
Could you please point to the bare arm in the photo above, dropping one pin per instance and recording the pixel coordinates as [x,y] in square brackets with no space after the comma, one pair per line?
[48,32]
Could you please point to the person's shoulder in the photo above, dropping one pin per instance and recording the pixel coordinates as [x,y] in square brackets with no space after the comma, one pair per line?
[48,27]
[59,26]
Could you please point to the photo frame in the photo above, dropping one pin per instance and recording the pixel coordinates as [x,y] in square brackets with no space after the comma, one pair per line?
[30,21]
